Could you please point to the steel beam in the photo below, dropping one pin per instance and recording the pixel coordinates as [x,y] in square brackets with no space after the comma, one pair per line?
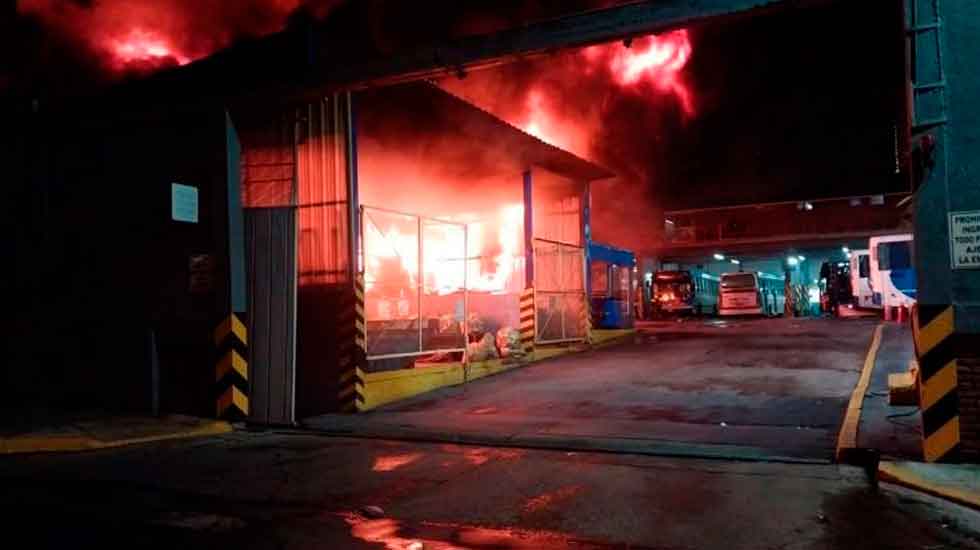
[455,56]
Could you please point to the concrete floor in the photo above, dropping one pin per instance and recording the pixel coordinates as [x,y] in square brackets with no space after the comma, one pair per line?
[772,389]
[746,389]
[274,490]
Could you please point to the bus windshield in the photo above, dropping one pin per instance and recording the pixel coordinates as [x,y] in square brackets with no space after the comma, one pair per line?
[676,281]
[896,255]
[738,280]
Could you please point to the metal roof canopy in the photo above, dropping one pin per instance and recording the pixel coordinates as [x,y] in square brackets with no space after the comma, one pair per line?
[425,106]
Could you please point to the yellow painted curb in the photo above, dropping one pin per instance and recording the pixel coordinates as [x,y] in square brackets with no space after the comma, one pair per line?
[382,388]
[602,338]
[72,443]
[894,473]
[847,437]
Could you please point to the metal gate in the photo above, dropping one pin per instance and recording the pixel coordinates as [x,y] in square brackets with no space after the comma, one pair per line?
[559,288]
[415,284]
[270,235]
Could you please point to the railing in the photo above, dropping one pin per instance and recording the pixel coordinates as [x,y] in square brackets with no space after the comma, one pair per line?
[415,297]
[841,216]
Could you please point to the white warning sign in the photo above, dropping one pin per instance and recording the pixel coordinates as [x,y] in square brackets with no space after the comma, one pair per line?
[964,239]
[183,204]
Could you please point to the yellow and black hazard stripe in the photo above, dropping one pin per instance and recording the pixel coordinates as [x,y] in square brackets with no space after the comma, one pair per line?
[527,320]
[360,335]
[351,393]
[231,368]
[933,329]
[350,387]
[585,320]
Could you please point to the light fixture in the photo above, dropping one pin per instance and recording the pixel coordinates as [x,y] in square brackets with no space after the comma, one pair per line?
[719,257]
[845,250]
[792,260]
[801,258]
[736,262]
[808,206]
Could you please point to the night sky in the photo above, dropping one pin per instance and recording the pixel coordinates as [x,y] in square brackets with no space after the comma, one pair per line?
[801,104]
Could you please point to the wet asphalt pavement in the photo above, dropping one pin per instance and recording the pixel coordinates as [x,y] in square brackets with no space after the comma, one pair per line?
[775,387]
[770,389]
[295,491]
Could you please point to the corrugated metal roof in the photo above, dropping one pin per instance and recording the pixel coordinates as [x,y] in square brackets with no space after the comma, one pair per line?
[424,107]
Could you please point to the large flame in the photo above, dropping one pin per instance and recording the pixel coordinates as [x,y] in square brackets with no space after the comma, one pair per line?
[650,65]
[493,252]
[149,34]
[141,46]
[657,60]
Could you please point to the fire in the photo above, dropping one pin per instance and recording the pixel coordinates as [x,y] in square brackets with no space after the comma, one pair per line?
[656,59]
[151,34]
[543,122]
[144,46]
[493,252]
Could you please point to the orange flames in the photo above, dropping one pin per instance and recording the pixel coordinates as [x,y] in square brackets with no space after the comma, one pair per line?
[494,248]
[142,46]
[656,59]
[652,63]
[149,34]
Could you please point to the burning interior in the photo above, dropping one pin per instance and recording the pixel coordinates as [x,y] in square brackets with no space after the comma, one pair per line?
[449,196]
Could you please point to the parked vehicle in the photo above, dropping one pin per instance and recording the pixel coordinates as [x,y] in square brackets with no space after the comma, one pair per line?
[861,280]
[684,291]
[773,294]
[673,292]
[892,276]
[741,294]
[835,290]
[706,287]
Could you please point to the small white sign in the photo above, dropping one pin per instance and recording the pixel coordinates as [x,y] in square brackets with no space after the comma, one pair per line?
[183,205]
[964,239]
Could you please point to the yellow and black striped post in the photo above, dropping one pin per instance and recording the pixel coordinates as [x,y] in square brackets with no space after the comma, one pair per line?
[933,329]
[231,369]
[350,391]
[527,320]
[586,320]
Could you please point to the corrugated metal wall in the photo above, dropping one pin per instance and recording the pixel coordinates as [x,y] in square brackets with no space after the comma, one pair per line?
[270,235]
[326,296]
[299,159]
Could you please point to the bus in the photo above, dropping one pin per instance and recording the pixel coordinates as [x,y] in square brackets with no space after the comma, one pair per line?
[741,295]
[860,280]
[892,275]
[773,293]
[684,292]
[746,293]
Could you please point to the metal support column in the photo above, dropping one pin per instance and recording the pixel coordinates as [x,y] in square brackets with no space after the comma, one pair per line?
[527,305]
[528,231]
[946,127]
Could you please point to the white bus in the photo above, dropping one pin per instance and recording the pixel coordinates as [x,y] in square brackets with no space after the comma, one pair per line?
[892,275]
[740,294]
[860,280]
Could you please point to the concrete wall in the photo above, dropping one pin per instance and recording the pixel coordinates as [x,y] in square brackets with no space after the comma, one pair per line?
[100,264]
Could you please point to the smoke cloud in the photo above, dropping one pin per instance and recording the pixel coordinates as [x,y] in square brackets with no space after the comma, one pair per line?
[128,35]
[615,105]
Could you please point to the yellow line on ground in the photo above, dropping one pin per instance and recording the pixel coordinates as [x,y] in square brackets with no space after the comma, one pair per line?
[900,474]
[847,438]
[71,443]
